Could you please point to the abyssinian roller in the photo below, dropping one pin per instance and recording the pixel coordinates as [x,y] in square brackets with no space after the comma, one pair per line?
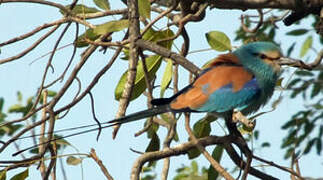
[243,80]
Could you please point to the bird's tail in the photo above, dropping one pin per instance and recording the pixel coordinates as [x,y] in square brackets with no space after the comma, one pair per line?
[141,114]
[129,118]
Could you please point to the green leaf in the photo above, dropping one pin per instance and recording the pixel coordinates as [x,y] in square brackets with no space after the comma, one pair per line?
[152,129]
[103,4]
[309,146]
[19,96]
[153,63]
[272,34]
[153,145]
[293,83]
[193,153]
[317,88]
[167,77]
[80,9]
[21,176]
[13,128]
[17,108]
[279,82]
[306,46]
[265,144]
[218,41]
[61,141]
[111,26]
[101,29]
[318,146]
[3,174]
[89,34]
[144,8]
[304,73]
[201,128]
[290,49]
[51,93]
[217,155]
[297,32]
[156,36]
[195,168]
[1,103]
[72,160]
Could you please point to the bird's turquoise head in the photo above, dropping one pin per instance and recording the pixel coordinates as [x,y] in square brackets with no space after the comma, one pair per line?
[260,54]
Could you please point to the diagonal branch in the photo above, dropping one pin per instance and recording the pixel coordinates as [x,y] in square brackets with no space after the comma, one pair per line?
[260,4]
[168,54]
[26,51]
[134,31]
[212,161]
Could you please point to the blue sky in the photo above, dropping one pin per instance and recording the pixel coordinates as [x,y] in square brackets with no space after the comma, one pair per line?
[115,154]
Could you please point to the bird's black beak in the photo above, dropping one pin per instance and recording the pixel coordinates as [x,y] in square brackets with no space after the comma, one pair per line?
[287,61]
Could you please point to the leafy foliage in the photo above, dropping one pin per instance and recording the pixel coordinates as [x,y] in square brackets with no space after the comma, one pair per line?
[81,9]
[21,176]
[218,41]
[144,8]
[191,173]
[152,62]
[103,4]
[305,127]
[101,29]
[201,128]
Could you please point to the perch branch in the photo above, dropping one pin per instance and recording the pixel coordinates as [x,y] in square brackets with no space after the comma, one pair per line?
[300,64]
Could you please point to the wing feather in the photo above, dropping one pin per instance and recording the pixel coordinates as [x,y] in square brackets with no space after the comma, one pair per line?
[219,89]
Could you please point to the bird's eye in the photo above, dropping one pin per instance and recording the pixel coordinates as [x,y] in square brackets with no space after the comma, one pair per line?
[262,56]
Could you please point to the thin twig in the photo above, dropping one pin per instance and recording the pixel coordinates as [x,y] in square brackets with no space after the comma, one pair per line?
[160,15]
[278,166]
[100,164]
[61,77]
[260,22]
[166,144]
[49,3]
[34,31]
[212,161]
[149,94]
[34,45]
[94,116]
[168,54]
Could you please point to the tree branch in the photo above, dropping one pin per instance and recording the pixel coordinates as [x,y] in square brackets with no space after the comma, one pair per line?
[168,54]
[134,34]
[260,4]
[174,151]
[300,64]
[212,161]
[99,162]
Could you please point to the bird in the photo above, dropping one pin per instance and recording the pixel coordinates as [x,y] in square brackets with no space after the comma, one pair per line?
[242,80]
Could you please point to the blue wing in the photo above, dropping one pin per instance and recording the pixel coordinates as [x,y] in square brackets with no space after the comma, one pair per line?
[225,98]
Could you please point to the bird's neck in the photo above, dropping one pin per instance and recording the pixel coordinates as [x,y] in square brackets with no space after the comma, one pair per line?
[264,73]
